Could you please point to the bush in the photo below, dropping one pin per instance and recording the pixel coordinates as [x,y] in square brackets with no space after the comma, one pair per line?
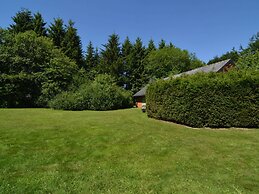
[207,100]
[18,90]
[101,94]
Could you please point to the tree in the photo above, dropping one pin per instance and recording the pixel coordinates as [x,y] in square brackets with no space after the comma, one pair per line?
[57,32]
[90,57]
[233,55]
[71,44]
[151,46]
[126,52]
[111,62]
[39,25]
[161,63]
[23,21]
[162,44]
[136,72]
[34,70]
[249,61]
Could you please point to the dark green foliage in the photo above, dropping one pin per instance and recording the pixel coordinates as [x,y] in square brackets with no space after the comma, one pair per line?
[101,94]
[127,57]
[32,70]
[162,44]
[23,21]
[151,46]
[136,70]
[207,100]
[111,62]
[39,25]
[249,61]
[18,90]
[253,45]
[57,32]
[170,60]
[90,57]
[233,55]
[71,44]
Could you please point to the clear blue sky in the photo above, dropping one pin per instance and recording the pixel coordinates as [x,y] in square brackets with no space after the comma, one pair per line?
[205,27]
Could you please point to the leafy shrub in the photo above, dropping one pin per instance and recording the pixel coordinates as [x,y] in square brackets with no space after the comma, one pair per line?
[18,90]
[101,94]
[207,100]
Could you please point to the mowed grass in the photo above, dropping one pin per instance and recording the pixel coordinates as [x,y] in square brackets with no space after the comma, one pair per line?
[124,151]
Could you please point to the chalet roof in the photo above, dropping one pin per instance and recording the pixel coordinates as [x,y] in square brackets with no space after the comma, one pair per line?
[141,92]
[215,67]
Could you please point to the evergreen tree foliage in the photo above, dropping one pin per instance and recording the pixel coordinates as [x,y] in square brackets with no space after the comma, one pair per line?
[151,46]
[71,44]
[111,62]
[90,57]
[96,57]
[23,21]
[253,45]
[126,53]
[136,72]
[233,55]
[162,44]
[57,32]
[39,25]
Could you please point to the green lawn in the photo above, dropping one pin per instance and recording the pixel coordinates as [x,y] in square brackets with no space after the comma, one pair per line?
[47,151]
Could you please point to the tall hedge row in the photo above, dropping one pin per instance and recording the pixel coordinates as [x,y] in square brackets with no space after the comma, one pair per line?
[207,100]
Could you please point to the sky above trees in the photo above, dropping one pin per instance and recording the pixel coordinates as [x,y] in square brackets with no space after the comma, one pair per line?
[207,28]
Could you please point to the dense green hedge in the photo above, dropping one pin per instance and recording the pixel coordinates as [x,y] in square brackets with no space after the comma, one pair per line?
[101,94]
[207,100]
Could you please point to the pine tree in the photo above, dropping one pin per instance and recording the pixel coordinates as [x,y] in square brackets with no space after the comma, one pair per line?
[23,21]
[126,53]
[57,32]
[71,44]
[111,62]
[137,78]
[90,57]
[39,25]
[162,44]
[96,57]
[151,46]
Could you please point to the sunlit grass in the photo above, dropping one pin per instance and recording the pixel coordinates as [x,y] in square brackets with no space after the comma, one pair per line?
[47,151]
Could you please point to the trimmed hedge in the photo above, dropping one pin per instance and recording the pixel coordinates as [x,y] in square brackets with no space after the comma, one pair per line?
[207,100]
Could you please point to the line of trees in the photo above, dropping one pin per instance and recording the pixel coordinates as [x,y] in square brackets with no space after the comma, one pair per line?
[125,62]
[37,61]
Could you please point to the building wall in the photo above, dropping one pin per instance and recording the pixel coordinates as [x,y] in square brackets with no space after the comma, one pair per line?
[139,101]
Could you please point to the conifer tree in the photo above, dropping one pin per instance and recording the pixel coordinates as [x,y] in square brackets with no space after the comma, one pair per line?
[39,25]
[96,57]
[23,21]
[137,78]
[162,44]
[90,57]
[57,32]
[111,62]
[151,46]
[71,44]
[126,53]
